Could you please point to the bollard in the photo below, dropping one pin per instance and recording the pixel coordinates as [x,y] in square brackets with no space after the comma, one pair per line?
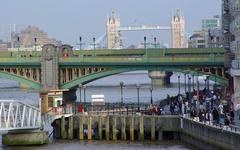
[153,128]
[70,128]
[63,131]
[107,128]
[123,130]
[114,130]
[100,128]
[131,128]
[89,128]
[141,128]
[81,131]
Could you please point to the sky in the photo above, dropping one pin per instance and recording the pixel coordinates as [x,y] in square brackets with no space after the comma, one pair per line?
[66,20]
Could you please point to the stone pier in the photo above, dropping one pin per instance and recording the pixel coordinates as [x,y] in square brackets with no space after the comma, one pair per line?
[160,78]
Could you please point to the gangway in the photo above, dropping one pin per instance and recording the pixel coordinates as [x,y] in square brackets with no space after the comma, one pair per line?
[16,115]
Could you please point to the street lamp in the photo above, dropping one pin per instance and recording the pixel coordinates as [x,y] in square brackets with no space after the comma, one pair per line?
[193,82]
[155,42]
[80,93]
[138,87]
[179,85]
[121,85]
[189,84]
[35,45]
[151,91]
[94,47]
[145,47]
[208,83]
[185,83]
[18,42]
[205,81]
[84,94]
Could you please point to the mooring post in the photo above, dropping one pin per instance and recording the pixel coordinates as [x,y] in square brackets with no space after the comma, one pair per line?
[123,129]
[81,131]
[153,128]
[131,128]
[100,128]
[114,129]
[89,127]
[63,131]
[70,128]
[141,128]
[107,128]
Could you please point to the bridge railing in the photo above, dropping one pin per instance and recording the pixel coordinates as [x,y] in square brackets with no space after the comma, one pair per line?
[20,59]
[16,115]
[162,59]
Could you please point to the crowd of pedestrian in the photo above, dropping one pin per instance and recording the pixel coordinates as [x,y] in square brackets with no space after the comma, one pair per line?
[205,105]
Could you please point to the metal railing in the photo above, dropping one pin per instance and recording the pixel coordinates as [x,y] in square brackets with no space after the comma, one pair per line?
[18,115]
[230,127]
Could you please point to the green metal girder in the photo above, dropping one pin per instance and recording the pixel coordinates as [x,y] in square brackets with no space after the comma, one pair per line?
[98,75]
[30,83]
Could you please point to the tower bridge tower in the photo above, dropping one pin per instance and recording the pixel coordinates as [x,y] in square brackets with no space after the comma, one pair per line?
[177,28]
[113,32]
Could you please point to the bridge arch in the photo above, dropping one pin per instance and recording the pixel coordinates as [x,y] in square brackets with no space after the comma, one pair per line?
[32,84]
[98,75]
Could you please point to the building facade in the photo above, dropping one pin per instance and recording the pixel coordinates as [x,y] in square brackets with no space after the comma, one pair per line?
[211,23]
[198,39]
[31,36]
[178,29]
[231,30]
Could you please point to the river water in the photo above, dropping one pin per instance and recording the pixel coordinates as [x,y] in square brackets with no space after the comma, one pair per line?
[109,86]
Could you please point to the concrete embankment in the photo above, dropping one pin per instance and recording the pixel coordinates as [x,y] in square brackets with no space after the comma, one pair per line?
[116,127]
[143,127]
[209,137]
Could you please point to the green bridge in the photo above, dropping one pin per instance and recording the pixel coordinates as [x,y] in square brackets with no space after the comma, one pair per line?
[64,68]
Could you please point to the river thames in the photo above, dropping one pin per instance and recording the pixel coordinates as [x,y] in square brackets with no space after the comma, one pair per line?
[109,86]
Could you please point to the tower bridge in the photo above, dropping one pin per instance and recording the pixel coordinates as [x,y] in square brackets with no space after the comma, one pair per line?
[114,30]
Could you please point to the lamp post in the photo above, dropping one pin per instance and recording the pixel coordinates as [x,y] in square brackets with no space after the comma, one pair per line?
[84,96]
[80,47]
[94,47]
[205,82]
[189,84]
[35,45]
[145,47]
[121,86]
[189,89]
[193,82]
[138,87]
[179,85]
[155,42]
[185,83]
[151,91]
[208,83]
[18,42]
[80,93]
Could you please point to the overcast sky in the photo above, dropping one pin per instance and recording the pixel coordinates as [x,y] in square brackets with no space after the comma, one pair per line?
[66,20]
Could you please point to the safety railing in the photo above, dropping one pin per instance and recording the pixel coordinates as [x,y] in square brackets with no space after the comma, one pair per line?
[15,115]
[211,123]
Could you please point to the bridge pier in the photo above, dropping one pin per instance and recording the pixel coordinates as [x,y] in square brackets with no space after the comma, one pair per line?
[25,138]
[159,78]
